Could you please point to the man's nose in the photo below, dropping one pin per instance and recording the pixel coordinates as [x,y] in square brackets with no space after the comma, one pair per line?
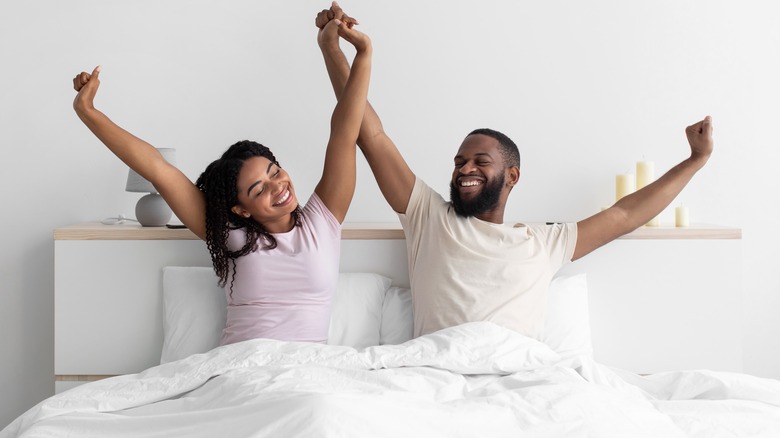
[467,168]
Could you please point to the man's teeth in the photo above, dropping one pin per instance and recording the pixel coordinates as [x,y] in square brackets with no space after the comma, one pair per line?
[284,198]
[470,183]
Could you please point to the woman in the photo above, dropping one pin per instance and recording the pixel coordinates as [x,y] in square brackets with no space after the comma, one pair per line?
[277,261]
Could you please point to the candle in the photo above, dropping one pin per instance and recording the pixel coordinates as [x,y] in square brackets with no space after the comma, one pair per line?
[655,222]
[681,216]
[644,173]
[625,184]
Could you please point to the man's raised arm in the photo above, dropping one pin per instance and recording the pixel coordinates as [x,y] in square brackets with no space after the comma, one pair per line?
[636,209]
[393,175]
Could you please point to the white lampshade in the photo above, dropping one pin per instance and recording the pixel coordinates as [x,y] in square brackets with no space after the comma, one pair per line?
[151,210]
[137,183]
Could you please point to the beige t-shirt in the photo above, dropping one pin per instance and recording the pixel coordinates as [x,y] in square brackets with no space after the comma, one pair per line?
[465,269]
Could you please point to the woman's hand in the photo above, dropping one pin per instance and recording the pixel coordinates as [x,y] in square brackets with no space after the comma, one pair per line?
[358,39]
[87,85]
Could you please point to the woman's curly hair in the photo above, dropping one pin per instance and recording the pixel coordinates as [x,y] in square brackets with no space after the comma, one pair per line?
[218,184]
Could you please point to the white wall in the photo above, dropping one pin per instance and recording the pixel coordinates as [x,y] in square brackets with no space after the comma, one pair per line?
[584,88]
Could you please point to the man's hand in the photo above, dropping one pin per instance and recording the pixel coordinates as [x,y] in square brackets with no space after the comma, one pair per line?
[87,85]
[700,138]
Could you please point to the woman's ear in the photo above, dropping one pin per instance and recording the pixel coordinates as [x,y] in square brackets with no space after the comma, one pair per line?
[240,211]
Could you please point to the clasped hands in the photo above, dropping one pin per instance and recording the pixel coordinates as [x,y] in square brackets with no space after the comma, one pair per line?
[335,12]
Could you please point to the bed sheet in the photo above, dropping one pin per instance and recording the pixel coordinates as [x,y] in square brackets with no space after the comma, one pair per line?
[476,379]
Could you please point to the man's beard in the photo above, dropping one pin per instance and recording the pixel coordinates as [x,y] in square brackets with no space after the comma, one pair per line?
[486,200]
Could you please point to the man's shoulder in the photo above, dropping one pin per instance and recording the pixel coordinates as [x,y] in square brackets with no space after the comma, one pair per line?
[423,195]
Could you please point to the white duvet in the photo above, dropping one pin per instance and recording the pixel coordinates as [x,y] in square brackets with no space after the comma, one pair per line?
[474,380]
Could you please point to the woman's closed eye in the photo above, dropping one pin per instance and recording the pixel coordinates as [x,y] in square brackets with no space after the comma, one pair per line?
[262,187]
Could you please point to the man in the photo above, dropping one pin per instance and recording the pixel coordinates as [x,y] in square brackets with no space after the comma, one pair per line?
[464,263]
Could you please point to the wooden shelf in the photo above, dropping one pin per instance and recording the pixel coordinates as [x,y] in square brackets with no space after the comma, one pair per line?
[133,231]
[81,377]
[695,231]
[359,231]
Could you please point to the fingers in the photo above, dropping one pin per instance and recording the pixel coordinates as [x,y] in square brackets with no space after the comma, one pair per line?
[349,21]
[695,128]
[336,11]
[353,36]
[83,78]
[703,126]
[700,138]
[343,28]
[341,15]
[707,124]
[80,80]
[346,23]
[322,18]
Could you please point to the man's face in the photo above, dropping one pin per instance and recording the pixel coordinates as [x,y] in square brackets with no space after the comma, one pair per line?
[478,179]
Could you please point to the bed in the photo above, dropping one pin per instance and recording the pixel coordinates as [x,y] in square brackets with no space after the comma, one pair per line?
[476,379]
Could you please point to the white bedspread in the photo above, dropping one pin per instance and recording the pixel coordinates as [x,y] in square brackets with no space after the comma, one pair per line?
[467,381]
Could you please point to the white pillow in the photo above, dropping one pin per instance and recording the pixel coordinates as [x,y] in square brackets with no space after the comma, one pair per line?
[366,311]
[397,324]
[194,310]
[567,325]
[356,314]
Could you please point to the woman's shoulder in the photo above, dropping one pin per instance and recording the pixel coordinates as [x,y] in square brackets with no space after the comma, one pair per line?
[316,213]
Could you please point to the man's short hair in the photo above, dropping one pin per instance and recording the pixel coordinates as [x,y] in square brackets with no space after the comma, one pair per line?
[509,151]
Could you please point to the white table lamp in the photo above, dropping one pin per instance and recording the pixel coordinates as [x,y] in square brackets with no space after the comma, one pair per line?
[151,210]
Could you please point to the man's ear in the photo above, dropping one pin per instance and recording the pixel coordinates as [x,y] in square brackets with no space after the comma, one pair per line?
[512,176]
[240,211]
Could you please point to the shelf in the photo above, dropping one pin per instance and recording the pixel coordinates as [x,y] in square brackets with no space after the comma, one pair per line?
[361,231]
[696,231]
[99,231]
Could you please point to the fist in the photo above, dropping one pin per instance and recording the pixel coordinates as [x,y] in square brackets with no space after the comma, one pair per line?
[335,12]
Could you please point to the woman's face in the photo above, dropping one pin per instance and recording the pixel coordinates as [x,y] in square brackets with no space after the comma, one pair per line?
[266,194]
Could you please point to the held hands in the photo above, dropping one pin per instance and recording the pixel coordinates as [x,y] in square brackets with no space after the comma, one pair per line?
[336,12]
[358,39]
[700,138]
[87,85]
[329,21]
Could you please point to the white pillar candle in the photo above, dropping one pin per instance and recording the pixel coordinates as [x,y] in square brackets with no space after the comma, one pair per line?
[681,217]
[645,173]
[655,222]
[625,184]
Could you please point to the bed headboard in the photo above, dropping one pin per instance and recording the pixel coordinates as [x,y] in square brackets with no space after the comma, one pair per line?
[659,298]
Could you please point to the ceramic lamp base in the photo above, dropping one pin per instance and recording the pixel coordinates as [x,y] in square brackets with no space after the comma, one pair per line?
[152,211]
